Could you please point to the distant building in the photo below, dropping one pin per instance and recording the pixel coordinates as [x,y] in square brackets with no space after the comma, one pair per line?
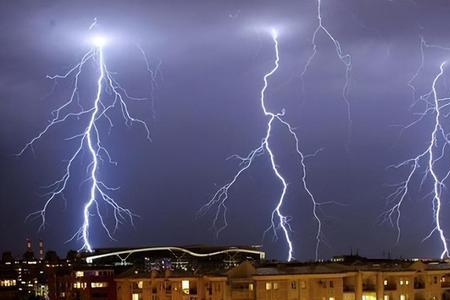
[8,284]
[23,277]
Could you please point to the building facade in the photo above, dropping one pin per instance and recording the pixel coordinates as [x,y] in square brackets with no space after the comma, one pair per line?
[216,273]
[359,280]
[171,285]
[86,283]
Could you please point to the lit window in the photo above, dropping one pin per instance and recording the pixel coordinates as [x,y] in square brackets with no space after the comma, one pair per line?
[99,285]
[79,285]
[137,285]
[385,283]
[275,285]
[401,282]
[8,282]
[250,286]
[268,286]
[331,298]
[185,286]
[79,274]
[443,279]
[135,296]
[386,297]
[406,282]
[402,297]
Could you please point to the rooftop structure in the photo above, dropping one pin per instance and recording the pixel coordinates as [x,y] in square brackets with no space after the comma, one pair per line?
[161,257]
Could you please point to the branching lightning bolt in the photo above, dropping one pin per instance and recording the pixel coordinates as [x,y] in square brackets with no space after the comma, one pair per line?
[429,158]
[345,58]
[90,140]
[278,220]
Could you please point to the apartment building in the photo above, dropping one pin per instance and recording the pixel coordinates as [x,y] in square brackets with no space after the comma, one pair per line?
[342,279]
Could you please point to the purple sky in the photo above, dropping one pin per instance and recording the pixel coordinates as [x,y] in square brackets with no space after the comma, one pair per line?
[206,108]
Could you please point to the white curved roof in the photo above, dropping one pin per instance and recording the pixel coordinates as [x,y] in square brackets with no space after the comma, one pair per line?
[90,259]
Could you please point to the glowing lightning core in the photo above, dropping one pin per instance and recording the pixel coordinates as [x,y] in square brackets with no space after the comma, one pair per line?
[430,157]
[278,220]
[90,140]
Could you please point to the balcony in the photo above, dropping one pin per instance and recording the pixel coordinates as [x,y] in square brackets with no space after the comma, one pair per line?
[390,287]
[349,289]
[445,284]
[368,287]
[242,295]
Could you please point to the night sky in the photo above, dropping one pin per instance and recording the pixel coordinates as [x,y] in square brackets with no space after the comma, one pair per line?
[206,107]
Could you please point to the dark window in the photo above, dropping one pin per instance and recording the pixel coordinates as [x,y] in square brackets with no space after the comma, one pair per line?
[293,285]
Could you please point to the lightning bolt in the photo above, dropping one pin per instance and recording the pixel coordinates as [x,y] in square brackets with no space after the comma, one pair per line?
[429,158]
[278,221]
[345,58]
[109,95]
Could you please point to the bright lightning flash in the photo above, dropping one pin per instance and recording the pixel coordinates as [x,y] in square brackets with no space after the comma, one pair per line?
[90,139]
[99,41]
[278,220]
[430,158]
